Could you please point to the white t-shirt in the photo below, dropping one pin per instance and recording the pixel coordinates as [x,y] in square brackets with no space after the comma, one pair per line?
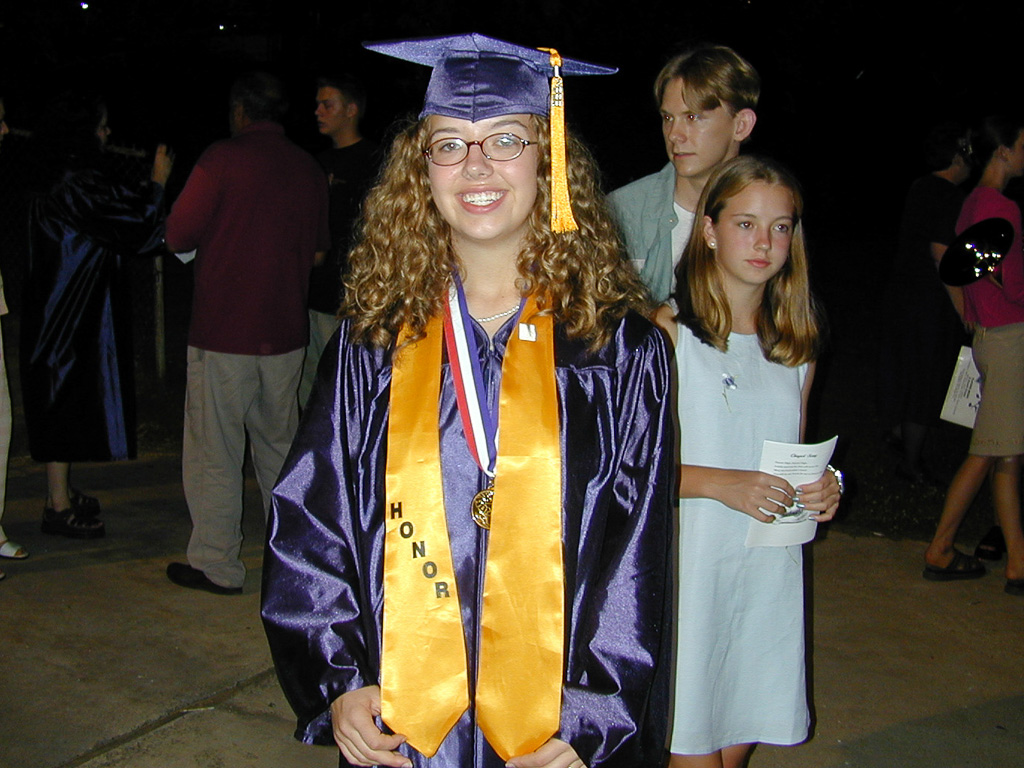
[681,232]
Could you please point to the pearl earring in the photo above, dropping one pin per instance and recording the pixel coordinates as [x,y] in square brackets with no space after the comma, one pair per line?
[713,244]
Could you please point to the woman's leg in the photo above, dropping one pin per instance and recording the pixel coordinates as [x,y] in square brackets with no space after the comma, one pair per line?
[58,488]
[914,436]
[713,760]
[961,493]
[1006,497]
[735,756]
[60,516]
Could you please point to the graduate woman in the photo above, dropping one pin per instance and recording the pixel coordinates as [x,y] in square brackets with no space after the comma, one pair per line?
[469,547]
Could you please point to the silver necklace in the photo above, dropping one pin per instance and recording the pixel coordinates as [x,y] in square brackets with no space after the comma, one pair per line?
[506,313]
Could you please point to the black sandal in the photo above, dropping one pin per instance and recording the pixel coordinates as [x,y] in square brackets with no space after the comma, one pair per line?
[72,523]
[992,545]
[960,567]
[87,507]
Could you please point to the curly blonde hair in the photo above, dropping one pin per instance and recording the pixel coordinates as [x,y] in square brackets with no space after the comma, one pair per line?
[402,264]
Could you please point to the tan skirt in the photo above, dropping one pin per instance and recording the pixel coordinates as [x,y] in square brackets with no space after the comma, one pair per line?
[999,355]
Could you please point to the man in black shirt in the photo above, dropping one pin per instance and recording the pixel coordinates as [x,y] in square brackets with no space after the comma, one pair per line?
[351,166]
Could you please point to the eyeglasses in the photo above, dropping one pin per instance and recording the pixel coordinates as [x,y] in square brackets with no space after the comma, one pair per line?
[499,146]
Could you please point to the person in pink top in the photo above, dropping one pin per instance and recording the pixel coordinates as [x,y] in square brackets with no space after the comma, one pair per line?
[994,306]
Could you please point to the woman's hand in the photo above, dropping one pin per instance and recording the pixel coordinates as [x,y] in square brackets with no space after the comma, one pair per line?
[554,753]
[821,497]
[357,734]
[163,162]
[746,491]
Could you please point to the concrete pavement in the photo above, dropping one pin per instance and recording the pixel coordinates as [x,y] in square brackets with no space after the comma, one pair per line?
[105,663]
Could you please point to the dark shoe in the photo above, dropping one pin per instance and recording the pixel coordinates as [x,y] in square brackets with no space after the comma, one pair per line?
[992,545]
[85,506]
[71,523]
[1014,587]
[962,567]
[185,575]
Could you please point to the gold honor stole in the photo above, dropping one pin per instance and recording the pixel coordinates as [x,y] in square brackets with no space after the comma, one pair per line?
[424,683]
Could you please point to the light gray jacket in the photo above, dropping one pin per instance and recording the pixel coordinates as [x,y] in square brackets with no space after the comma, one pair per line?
[646,217]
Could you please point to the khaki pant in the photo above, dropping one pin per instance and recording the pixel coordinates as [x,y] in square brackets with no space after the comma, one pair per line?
[321,327]
[226,397]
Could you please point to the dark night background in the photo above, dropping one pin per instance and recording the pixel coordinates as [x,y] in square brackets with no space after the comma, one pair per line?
[849,89]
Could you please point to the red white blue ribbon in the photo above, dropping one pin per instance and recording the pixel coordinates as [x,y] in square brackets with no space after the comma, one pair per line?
[479,422]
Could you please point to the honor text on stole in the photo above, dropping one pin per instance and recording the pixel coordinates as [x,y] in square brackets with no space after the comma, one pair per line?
[419,550]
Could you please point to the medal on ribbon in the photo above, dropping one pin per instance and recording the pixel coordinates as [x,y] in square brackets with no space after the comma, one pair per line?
[478,420]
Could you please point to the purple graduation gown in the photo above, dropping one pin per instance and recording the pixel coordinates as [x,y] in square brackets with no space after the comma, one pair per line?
[322,597]
[76,364]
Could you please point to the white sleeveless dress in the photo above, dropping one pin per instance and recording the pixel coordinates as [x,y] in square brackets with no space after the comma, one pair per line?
[740,621]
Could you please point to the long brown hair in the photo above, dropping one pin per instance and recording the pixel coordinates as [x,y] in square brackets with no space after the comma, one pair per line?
[401,266]
[787,321]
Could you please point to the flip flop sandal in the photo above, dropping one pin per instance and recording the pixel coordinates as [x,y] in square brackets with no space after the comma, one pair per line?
[961,567]
[992,545]
[71,524]
[12,550]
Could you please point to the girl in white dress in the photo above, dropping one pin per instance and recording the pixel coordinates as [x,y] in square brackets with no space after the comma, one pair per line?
[746,337]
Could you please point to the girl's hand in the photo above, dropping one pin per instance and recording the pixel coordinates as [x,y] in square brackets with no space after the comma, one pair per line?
[821,497]
[356,733]
[743,490]
[554,753]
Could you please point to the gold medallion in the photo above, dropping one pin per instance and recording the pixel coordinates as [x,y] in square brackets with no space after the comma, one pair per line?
[481,507]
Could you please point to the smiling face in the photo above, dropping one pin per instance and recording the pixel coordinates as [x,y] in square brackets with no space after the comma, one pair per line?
[752,236]
[486,203]
[698,140]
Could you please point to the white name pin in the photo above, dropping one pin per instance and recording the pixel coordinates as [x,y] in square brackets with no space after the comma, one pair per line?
[527,332]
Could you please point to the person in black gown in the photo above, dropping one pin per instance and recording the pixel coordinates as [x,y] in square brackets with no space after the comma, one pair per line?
[923,331]
[76,367]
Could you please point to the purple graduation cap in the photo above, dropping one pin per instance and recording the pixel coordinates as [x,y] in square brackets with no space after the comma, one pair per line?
[477,77]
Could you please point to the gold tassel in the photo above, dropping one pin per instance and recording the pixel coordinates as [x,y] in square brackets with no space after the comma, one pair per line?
[561,209]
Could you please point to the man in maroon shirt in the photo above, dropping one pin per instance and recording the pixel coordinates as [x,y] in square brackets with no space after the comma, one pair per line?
[255,211]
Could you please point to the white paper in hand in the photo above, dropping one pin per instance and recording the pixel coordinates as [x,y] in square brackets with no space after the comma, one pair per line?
[797,464]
